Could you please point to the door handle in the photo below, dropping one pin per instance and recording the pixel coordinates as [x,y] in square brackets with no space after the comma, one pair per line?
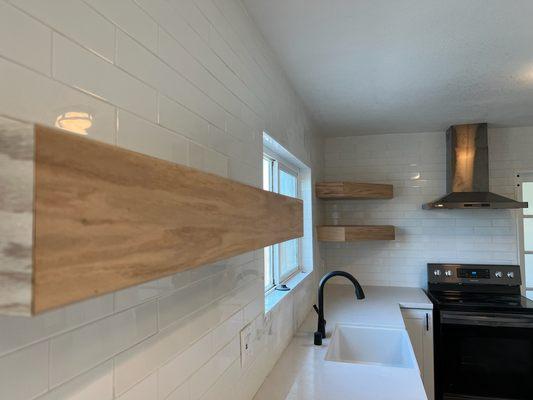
[427,322]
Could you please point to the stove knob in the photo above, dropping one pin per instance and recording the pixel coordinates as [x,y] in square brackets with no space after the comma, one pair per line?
[436,272]
[448,272]
[498,274]
[510,275]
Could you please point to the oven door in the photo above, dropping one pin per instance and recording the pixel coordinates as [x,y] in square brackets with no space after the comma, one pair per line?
[485,355]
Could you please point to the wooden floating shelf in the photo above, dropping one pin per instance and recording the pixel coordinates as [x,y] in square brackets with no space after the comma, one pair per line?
[353,233]
[81,218]
[353,190]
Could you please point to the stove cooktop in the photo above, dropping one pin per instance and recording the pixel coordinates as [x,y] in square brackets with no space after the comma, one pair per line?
[481,301]
[477,287]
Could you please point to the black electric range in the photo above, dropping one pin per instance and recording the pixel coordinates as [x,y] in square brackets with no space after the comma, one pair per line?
[483,332]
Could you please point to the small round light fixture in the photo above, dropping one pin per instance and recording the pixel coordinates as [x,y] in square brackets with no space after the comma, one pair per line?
[75,121]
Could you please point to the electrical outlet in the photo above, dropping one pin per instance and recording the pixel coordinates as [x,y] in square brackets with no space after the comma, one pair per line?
[247,350]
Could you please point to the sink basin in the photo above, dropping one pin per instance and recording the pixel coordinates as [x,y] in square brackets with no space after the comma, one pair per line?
[368,345]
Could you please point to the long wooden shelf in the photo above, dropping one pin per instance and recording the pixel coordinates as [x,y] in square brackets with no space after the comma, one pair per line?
[353,190]
[81,218]
[353,233]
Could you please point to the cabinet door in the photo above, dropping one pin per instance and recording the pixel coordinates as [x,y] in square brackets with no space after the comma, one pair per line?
[419,325]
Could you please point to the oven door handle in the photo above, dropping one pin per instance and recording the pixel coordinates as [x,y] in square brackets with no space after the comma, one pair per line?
[493,320]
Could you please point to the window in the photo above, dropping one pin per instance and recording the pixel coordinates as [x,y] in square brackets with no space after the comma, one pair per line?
[526,232]
[283,259]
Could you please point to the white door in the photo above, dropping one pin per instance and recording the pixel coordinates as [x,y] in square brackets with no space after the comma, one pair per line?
[419,325]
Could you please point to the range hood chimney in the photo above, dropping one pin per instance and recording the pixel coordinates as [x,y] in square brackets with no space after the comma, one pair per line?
[467,172]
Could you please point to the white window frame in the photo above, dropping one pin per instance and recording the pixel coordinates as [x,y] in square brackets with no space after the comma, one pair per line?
[278,163]
[521,178]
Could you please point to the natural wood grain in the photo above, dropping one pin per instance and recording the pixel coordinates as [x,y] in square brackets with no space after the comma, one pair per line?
[352,233]
[16,216]
[353,190]
[80,218]
[107,218]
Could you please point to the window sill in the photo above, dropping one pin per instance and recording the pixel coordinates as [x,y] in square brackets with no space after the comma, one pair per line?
[274,297]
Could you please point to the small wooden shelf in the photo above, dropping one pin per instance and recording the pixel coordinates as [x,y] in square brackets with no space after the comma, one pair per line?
[353,233]
[352,190]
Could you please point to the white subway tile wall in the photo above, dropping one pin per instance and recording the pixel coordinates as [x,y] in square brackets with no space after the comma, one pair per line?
[415,165]
[188,81]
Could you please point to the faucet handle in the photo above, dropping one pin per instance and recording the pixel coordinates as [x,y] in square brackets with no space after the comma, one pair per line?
[316,308]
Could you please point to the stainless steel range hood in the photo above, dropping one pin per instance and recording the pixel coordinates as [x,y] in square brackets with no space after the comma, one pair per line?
[467,172]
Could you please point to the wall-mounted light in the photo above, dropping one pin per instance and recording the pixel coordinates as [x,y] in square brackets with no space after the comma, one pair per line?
[75,121]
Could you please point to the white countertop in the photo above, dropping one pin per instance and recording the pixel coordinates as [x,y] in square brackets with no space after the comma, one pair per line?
[302,373]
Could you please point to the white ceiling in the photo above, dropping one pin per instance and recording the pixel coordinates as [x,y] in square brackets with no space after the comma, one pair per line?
[383,66]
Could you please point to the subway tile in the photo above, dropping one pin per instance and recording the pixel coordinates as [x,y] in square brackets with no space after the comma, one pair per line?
[206,376]
[149,68]
[145,390]
[31,97]
[218,140]
[173,53]
[208,160]
[227,330]
[185,301]
[181,393]
[94,384]
[174,116]
[211,316]
[243,173]
[145,137]
[214,314]
[79,68]
[196,156]
[143,64]
[24,373]
[18,332]
[193,16]
[215,163]
[136,295]
[24,40]
[467,236]
[178,370]
[224,388]
[76,20]
[176,55]
[254,308]
[129,17]
[75,352]
[136,363]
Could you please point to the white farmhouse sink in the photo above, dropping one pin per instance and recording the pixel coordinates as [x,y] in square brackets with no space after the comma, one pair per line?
[367,345]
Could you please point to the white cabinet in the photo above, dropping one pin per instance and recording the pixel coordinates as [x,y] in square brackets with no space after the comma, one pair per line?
[419,325]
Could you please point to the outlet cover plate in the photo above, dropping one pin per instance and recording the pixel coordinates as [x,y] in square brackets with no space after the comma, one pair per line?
[247,351]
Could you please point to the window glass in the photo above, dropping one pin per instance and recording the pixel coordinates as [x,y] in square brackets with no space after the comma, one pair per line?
[288,183]
[281,260]
[528,258]
[527,195]
[288,257]
[528,234]
[267,174]
[268,260]
[269,273]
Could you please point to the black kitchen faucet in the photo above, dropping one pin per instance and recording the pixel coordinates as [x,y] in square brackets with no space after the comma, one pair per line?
[321,330]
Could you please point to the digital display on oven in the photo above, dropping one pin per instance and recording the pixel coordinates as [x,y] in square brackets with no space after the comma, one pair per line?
[473,273]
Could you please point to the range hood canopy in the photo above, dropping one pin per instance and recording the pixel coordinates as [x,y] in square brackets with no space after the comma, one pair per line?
[467,172]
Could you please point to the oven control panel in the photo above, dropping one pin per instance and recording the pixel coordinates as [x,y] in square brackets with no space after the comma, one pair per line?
[474,274]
